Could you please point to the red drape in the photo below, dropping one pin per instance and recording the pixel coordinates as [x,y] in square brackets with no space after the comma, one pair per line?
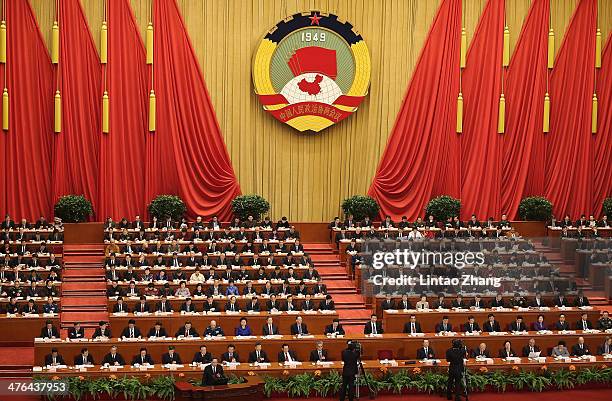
[186,155]
[602,161]
[420,160]
[122,149]
[76,158]
[569,167]
[29,79]
[523,143]
[481,145]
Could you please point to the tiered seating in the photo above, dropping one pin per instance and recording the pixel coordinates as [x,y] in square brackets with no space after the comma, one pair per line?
[30,276]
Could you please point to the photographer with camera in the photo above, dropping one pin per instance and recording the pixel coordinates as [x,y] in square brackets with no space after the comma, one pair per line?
[351,358]
[456,371]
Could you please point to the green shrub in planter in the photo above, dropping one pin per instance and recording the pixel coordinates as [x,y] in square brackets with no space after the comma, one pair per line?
[73,208]
[167,205]
[244,206]
[607,208]
[535,208]
[443,207]
[361,206]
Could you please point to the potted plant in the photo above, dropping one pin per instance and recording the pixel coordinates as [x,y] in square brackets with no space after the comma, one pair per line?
[244,206]
[443,207]
[167,205]
[607,207]
[360,206]
[535,208]
[73,208]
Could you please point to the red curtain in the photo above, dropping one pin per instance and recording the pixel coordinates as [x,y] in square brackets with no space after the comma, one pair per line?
[420,160]
[121,151]
[76,158]
[28,142]
[186,155]
[522,170]
[569,166]
[481,145]
[602,149]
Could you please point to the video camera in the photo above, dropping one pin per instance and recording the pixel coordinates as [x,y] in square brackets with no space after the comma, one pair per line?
[354,346]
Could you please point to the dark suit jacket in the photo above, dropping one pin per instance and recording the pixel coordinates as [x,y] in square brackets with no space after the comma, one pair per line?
[417,326]
[281,356]
[477,352]
[440,328]
[502,353]
[330,306]
[329,329]
[526,350]
[199,358]
[583,302]
[350,367]
[314,355]
[562,326]
[577,351]
[192,332]
[518,327]
[466,327]
[108,358]
[144,308]
[266,330]
[44,332]
[98,333]
[226,358]
[294,329]
[211,379]
[58,360]
[176,358]
[421,353]
[263,357]
[147,359]
[489,328]
[74,334]
[78,360]
[367,329]
[126,332]
[162,332]
[387,305]
[579,325]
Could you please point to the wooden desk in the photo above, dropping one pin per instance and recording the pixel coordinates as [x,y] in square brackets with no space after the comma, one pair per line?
[316,322]
[199,302]
[276,369]
[252,389]
[23,329]
[401,345]
[393,322]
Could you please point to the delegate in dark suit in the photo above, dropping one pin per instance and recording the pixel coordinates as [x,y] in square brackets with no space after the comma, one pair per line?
[141,360]
[213,375]
[174,358]
[111,359]
[422,354]
[202,358]
[59,360]
[315,356]
[263,357]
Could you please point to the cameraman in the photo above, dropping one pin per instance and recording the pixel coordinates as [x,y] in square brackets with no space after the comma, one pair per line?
[350,357]
[455,357]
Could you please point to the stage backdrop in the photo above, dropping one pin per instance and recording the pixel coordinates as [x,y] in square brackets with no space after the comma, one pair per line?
[306,176]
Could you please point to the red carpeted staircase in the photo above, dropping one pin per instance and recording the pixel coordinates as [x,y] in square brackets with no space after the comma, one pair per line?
[350,305]
[84,286]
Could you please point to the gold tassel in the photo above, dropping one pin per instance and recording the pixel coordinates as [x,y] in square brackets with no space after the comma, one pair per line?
[598,49]
[104,43]
[150,43]
[463,48]
[5,110]
[594,115]
[460,113]
[501,118]
[55,43]
[152,111]
[3,42]
[506,59]
[58,112]
[105,113]
[551,48]
[546,127]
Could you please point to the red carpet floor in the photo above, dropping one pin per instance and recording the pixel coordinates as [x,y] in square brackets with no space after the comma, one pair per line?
[590,395]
